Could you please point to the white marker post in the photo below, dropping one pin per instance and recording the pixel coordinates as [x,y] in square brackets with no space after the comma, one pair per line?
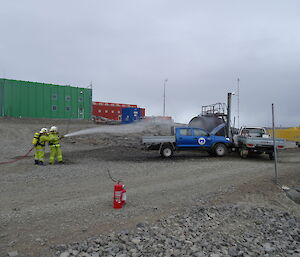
[274,142]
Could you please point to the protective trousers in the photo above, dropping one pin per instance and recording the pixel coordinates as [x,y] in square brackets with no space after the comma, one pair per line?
[39,153]
[55,152]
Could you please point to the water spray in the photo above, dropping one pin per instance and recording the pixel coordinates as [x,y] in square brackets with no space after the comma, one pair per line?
[136,127]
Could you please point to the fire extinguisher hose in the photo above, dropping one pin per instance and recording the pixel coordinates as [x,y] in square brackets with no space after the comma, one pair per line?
[18,158]
[113,179]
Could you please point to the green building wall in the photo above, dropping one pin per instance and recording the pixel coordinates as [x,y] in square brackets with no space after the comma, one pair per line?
[39,100]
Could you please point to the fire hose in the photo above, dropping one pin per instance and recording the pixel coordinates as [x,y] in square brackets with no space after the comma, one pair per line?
[18,158]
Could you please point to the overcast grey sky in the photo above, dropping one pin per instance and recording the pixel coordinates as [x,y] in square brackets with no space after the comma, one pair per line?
[127,48]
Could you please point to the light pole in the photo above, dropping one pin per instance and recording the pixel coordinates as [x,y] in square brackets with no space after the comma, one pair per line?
[164,108]
[238,102]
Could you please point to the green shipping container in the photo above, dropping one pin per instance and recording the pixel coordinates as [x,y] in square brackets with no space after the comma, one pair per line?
[38,100]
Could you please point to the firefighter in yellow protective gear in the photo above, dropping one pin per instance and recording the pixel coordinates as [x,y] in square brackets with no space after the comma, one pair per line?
[39,142]
[54,139]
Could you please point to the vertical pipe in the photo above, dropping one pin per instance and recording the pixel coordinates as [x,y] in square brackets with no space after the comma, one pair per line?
[228,115]
[274,143]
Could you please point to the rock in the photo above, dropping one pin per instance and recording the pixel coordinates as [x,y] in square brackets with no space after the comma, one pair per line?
[13,254]
[11,243]
[136,240]
[3,235]
[233,231]
[62,247]
[232,251]
[121,255]
[64,254]
[268,248]
[40,241]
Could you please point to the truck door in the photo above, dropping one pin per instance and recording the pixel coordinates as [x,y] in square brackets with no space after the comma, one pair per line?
[201,138]
[184,137]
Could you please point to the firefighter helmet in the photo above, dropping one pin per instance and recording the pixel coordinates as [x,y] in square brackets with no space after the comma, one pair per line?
[53,129]
[44,130]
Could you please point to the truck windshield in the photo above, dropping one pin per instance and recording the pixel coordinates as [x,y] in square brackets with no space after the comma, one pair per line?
[200,133]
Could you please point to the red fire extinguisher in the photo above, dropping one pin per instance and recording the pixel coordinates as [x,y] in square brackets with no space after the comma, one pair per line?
[119,193]
[119,196]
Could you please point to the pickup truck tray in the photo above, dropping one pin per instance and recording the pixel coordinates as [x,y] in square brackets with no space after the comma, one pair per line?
[158,139]
[267,142]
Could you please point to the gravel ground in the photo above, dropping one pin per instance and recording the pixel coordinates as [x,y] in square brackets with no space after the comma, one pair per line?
[42,207]
[200,231]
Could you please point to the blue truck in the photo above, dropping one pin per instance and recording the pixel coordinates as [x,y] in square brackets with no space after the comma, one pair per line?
[187,138]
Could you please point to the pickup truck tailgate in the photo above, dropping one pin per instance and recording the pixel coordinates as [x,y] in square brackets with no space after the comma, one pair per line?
[158,139]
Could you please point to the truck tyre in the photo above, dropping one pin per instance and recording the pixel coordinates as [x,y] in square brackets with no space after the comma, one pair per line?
[244,153]
[166,151]
[220,150]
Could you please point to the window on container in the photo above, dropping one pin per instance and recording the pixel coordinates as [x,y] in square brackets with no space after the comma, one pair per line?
[54,108]
[54,96]
[80,99]
[68,108]
[99,110]
[200,133]
[185,132]
[68,98]
[106,111]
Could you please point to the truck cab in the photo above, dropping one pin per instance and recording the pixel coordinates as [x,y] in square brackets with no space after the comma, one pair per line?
[197,137]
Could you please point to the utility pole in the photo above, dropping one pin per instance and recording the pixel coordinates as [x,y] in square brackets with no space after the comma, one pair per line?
[164,107]
[238,102]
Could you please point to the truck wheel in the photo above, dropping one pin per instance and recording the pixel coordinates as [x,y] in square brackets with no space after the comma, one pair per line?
[244,153]
[166,151]
[220,150]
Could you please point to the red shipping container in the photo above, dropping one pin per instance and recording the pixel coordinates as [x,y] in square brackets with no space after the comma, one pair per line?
[112,111]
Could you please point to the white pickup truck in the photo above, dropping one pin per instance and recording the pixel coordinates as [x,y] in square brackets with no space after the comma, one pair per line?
[256,140]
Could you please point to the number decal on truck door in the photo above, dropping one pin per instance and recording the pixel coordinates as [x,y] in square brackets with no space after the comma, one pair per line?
[201,141]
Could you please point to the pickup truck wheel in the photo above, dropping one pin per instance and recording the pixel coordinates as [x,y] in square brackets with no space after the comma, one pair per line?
[244,153]
[220,150]
[166,151]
